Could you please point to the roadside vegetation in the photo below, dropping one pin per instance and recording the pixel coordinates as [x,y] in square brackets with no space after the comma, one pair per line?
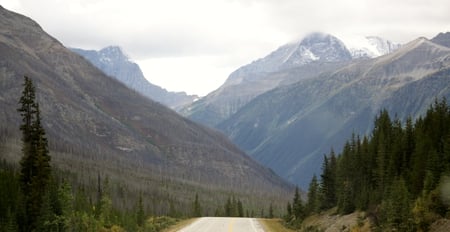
[399,175]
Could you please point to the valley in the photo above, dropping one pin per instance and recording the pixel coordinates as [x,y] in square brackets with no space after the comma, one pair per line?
[291,126]
[319,134]
[105,137]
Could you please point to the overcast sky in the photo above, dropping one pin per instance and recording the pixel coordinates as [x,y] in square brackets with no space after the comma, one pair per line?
[193,45]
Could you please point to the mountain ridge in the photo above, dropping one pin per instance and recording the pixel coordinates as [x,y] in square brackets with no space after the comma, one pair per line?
[316,53]
[114,62]
[97,125]
[442,39]
[289,128]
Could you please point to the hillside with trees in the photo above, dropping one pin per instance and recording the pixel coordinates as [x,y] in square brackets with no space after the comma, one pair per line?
[35,196]
[399,175]
[115,151]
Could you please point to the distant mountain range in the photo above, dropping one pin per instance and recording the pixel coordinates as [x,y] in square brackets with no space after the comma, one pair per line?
[303,59]
[97,125]
[113,61]
[288,64]
[314,102]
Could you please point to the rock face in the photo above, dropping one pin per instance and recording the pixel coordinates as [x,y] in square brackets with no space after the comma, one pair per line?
[290,63]
[290,128]
[113,61]
[95,124]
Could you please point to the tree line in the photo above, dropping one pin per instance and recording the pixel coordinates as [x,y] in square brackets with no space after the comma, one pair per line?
[399,175]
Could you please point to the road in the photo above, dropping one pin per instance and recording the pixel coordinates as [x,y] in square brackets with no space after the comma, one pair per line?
[224,224]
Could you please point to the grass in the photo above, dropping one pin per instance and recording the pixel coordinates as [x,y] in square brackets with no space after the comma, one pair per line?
[274,225]
[181,224]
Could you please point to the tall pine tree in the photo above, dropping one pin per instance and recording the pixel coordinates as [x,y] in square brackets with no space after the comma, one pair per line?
[312,206]
[35,168]
[328,182]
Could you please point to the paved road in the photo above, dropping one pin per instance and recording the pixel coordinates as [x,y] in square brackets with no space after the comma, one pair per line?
[217,224]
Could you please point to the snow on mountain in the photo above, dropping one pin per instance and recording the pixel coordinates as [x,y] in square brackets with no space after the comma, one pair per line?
[370,46]
[315,47]
[306,58]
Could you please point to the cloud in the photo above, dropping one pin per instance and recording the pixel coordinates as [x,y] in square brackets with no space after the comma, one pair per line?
[397,20]
[209,27]
[237,31]
[151,28]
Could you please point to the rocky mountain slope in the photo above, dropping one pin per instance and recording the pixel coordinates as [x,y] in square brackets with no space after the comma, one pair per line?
[290,63]
[290,128]
[97,125]
[113,61]
[442,39]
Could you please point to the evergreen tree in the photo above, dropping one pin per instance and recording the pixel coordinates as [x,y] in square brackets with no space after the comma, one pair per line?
[35,163]
[66,200]
[312,206]
[328,181]
[396,208]
[345,177]
[228,208]
[398,164]
[297,206]
[98,204]
[240,208]
[140,215]
[270,211]
[289,214]
[105,216]
[196,207]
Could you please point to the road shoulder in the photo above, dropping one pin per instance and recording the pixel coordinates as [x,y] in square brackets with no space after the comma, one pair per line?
[273,225]
[180,225]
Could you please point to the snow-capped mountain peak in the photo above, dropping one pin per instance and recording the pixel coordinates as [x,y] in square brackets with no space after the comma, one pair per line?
[315,47]
[370,46]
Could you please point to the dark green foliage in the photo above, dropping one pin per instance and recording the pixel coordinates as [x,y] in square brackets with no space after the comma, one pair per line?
[270,211]
[35,168]
[196,207]
[228,208]
[140,215]
[240,208]
[328,182]
[313,204]
[298,211]
[396,206]
[396,173]
[297,206]
[10,197]
[233,207]
[289,216]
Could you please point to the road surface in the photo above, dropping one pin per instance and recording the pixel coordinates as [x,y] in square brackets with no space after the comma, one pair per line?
[224,224]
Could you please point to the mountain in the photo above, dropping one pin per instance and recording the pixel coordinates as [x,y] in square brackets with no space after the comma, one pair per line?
[288,64]
[442,39]
[113,61]
[290,128]
[96,126]
[370,47]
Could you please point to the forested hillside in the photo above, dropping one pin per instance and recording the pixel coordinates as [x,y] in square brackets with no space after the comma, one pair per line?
[105,137]
[399,175]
